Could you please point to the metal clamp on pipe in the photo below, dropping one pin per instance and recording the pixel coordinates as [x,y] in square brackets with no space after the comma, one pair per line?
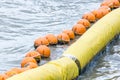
[74,59]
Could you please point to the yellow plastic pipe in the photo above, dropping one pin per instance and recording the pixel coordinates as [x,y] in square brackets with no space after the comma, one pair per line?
[84,49]
[61,69]
[96,38]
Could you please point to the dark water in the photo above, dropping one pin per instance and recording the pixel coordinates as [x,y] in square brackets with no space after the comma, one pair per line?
[22,21]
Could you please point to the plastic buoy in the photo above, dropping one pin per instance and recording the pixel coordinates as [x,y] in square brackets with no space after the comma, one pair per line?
[111,3]
[14,71]
[105,7]
[3,76]
[52,39]
[104,11]
[18,70]
[63,38]
[40,41]
[43,50]
[27,60]
[25,69]
[107,3]
[116,3]
[11,73]
[79,29]
[98,13]
[84,22]
[89,16]
[31,65]
[35,55]
[70,33]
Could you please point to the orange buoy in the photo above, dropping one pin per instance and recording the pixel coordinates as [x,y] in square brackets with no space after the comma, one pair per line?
[116,3]
[43,50]
[84,22]
[104,11]
[31,65]
[40,41]
[35,55]
[107,3]
[98,13]
[63,38]
[24,69]
[70,33]
[89,16]
[52,39]
[105,7]
[3,76]
[11,73]
[111,3]
[18,70]
[79,29]
[27,60]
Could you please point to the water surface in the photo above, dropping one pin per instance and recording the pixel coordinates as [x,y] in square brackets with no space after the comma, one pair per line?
[22,21]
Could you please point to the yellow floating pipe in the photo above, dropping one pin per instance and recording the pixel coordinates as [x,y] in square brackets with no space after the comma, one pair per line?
[96,38]
[61,69]
[80,52]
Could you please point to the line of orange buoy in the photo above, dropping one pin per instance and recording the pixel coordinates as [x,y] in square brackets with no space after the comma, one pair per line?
[41,44]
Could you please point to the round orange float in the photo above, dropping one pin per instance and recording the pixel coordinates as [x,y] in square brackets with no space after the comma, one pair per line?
[3,76]
[104,11]
[31,65]
[35,55]
[79,29]
[52,39]
[107,3]
[105,7]
[24,69]
[111,3]
[27,60]
[70,33]
[89,16]
[116,3]
[84,22]
[98,13]
[63,38]
[11,73]
[40,41]
[43,50]
[18,70]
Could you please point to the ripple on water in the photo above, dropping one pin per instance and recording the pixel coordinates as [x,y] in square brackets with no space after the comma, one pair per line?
[22,21]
